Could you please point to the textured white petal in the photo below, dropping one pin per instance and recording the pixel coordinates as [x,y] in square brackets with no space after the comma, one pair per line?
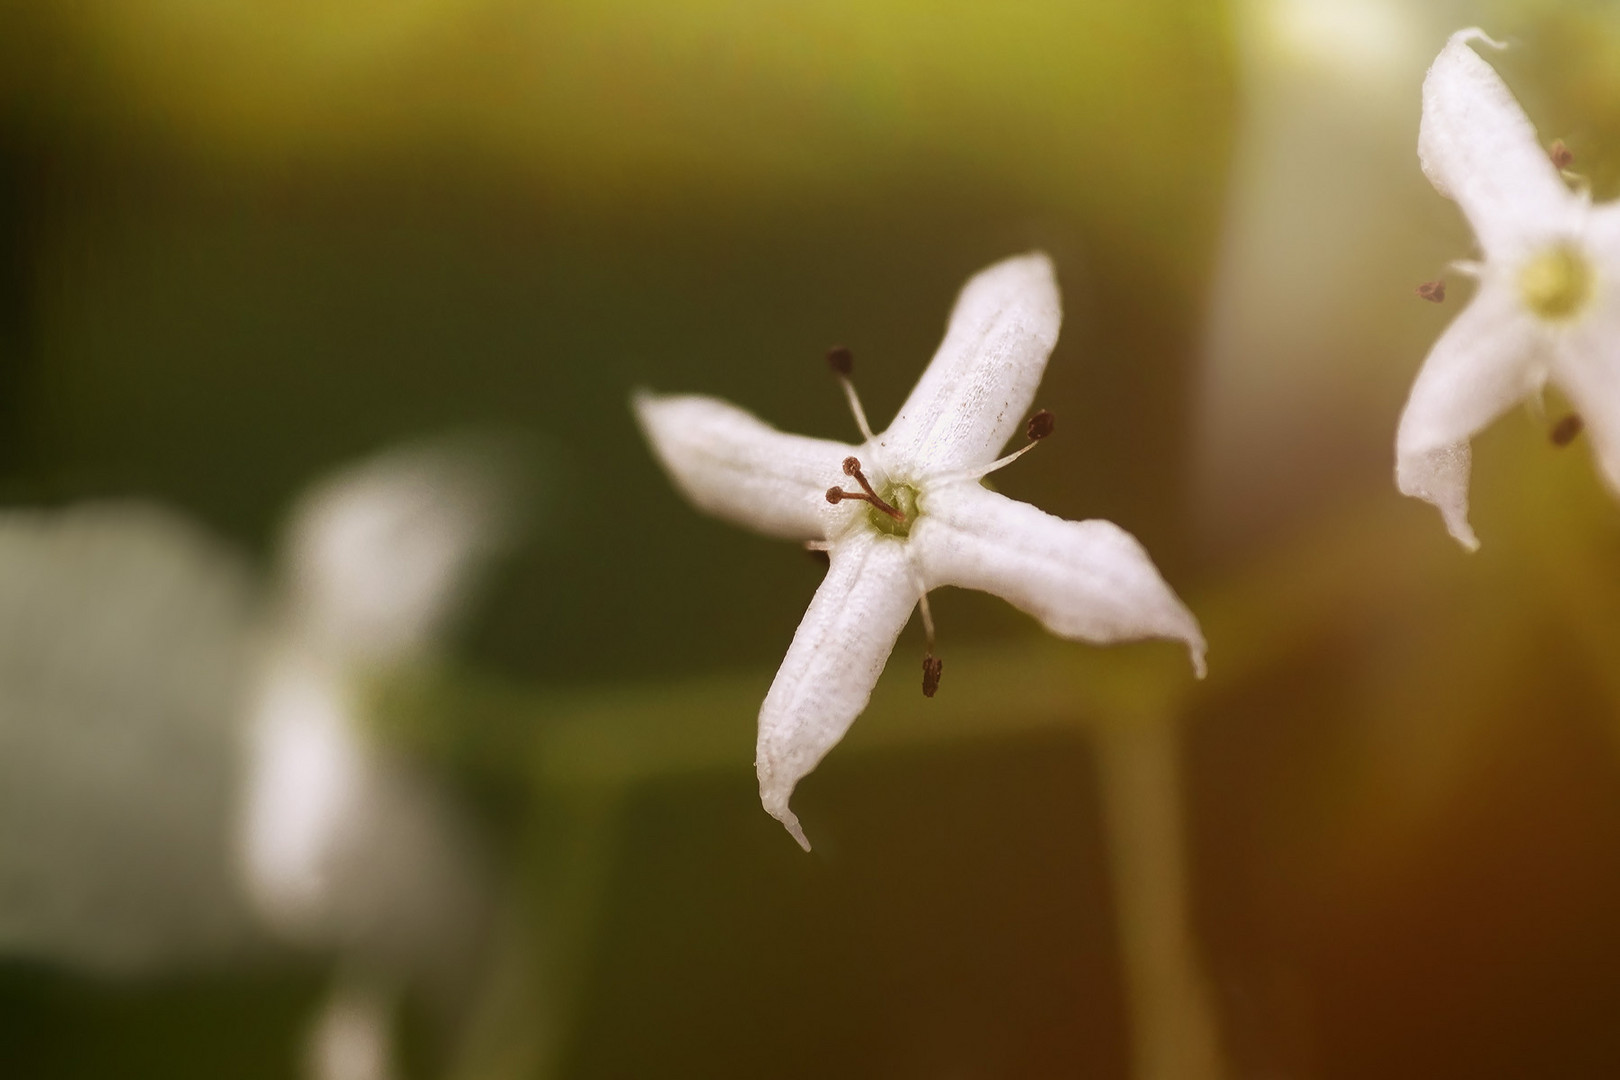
[982,380]
[1083,579]
[737,467]
[1477,146]
[1490,357]
[834,662]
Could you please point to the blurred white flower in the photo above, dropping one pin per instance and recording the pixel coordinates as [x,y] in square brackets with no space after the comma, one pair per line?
[126,642]
[920,519]
[185,771]
[343,845]
[351,1039]
[1548,305]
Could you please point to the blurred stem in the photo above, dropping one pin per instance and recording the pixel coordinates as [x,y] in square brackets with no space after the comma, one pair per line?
[534,998]
[580,752]
[1173,1027]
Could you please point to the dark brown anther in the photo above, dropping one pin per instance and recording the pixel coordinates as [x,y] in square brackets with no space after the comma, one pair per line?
[838,495]
[841,360]
[1040,425]
[1432,291]
[1565,431]
[1561,155]
[852,467]
[932,667]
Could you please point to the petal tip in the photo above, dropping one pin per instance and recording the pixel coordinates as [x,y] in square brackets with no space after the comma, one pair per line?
[1027,276]
[1463,534]
[642,399]
[1439,476]
[776,806]
[791,823]
[1474,33]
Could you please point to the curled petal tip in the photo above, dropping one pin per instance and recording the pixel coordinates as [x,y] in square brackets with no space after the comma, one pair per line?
[1439,476]
[778,809]
[792,825]
[1456,519]
[1474,33]
[1196,651]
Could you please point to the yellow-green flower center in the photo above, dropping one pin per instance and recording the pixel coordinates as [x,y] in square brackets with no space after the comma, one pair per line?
[903,497]
[1556,283]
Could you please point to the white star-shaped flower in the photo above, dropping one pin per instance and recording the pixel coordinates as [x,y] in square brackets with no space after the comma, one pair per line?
[920,519]
[1548,305]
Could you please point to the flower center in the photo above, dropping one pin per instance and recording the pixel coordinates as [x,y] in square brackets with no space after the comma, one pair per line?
[903,497]
[1556,283]
[890,512]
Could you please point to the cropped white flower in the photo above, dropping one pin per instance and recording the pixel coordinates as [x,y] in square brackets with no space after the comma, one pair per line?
[920,519]
[1548,305]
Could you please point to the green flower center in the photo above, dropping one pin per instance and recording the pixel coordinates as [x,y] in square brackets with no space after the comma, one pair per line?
[903,497]
[1556,283]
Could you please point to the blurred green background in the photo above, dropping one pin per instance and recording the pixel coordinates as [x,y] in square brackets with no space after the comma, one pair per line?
[245,242]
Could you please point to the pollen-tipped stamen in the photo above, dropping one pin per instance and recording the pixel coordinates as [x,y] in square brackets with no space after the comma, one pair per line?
[852,468]
[933,666]
[842,363]
[1039,427]
[1566,430]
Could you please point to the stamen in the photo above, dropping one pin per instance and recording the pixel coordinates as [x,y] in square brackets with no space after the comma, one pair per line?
[927,618]
[932,665]
[1565,431]
[1039,427]
[852,467]
[1432,291]
[1562,156]
[842,362]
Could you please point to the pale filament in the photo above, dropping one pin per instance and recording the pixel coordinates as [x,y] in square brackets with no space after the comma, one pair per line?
[855,407]
[1035,434]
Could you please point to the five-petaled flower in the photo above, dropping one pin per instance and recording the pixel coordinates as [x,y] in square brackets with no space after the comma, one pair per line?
[918,519]
[1548,305]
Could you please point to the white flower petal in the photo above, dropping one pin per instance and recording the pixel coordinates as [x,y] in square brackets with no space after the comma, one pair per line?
[126,645]
[383,557]
[834,662]
[1490,357]
[1477,147]
[982,380]
[1587,369]
[737,467]
[352,1038]
[1089,580]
